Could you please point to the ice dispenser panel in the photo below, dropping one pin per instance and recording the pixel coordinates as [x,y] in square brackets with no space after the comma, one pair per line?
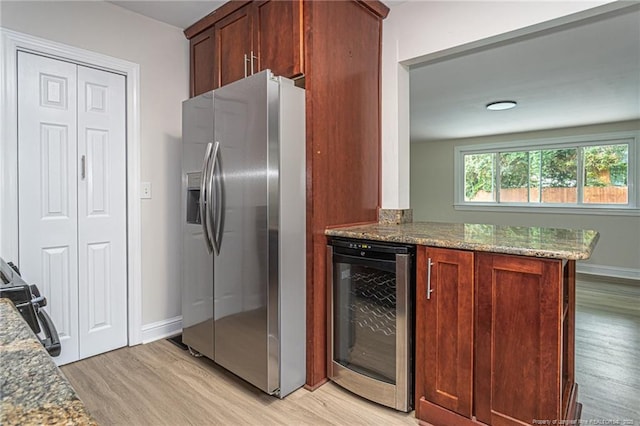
[193,197]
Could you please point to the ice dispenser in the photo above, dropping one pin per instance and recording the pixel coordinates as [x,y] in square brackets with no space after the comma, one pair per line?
[193,197]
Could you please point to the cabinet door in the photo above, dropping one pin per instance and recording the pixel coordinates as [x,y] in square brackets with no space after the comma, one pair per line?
[233,46]
[518,339]
[203,69]
[444,331]
[277,37]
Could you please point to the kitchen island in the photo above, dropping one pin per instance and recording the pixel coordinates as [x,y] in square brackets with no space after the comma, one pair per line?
[32,388]
[495,320]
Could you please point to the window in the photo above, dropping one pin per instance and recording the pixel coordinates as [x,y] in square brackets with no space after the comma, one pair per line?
[595,172]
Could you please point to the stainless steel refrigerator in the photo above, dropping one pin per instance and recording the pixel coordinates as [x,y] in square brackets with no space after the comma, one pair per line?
[243,290]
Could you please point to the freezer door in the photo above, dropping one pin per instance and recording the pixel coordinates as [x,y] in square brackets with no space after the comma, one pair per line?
[197,263]
[245,183]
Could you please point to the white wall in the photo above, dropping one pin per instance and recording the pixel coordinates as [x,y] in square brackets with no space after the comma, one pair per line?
[162,52]
[432,192]
[416,31]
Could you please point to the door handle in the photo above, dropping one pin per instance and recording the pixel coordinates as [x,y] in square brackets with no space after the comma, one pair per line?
[83,167]
[203,199]
[213,230]
[219,197]
[429,291]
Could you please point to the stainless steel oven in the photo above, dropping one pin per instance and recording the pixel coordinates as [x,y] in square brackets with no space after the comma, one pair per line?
[370,289]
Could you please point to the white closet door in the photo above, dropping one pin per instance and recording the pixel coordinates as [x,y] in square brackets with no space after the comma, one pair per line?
[102,272]
[72,200]
[47,182]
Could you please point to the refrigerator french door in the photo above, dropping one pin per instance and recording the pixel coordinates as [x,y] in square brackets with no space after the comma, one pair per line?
[244,230]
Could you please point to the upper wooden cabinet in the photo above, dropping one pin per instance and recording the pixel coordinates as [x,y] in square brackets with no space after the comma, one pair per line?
[202,62]
[277,37]
[233,47]
[246,37]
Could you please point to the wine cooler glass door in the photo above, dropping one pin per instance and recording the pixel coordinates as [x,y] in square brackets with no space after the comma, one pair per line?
[364,322]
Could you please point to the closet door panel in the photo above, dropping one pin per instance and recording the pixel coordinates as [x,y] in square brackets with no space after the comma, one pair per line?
[47,190]
[102,275]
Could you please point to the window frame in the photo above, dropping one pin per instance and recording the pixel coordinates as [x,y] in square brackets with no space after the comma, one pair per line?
[518,145]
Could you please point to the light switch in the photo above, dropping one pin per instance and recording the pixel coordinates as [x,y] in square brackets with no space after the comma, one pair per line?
[145,189]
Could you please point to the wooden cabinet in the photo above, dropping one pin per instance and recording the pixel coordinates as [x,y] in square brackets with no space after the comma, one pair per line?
[521,323]
[336,47]
[342,77]
[243,38]
[202,61]
[444,331]
[233,46]
[277,37]
[521,313]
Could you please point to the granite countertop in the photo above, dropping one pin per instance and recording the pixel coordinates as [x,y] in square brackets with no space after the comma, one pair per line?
[32,389]
[554,243]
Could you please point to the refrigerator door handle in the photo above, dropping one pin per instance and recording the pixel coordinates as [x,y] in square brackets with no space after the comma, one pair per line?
[213,229]
[204,201]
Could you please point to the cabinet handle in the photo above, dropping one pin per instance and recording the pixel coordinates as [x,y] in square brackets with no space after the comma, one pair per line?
[83,167]
[252,58]
[246,59]
[429,291]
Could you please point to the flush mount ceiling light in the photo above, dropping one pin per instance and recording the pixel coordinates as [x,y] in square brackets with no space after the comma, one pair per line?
[501,105]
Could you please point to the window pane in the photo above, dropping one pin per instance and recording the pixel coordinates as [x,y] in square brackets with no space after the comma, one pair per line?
[559,175]
[606,174]
[535,173]
[479,177]
[514,177]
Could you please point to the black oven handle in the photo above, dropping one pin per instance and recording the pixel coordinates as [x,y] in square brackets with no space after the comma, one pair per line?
[385,265]
[52,340]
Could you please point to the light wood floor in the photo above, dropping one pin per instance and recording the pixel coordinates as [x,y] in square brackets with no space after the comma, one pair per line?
[608,350]
[160,384]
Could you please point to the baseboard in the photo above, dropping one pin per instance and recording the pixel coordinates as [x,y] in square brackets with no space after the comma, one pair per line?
[161,329]
[608,271]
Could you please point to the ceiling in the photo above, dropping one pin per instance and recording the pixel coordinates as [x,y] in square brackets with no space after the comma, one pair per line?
[179,13]
[584,74]
[183,13]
